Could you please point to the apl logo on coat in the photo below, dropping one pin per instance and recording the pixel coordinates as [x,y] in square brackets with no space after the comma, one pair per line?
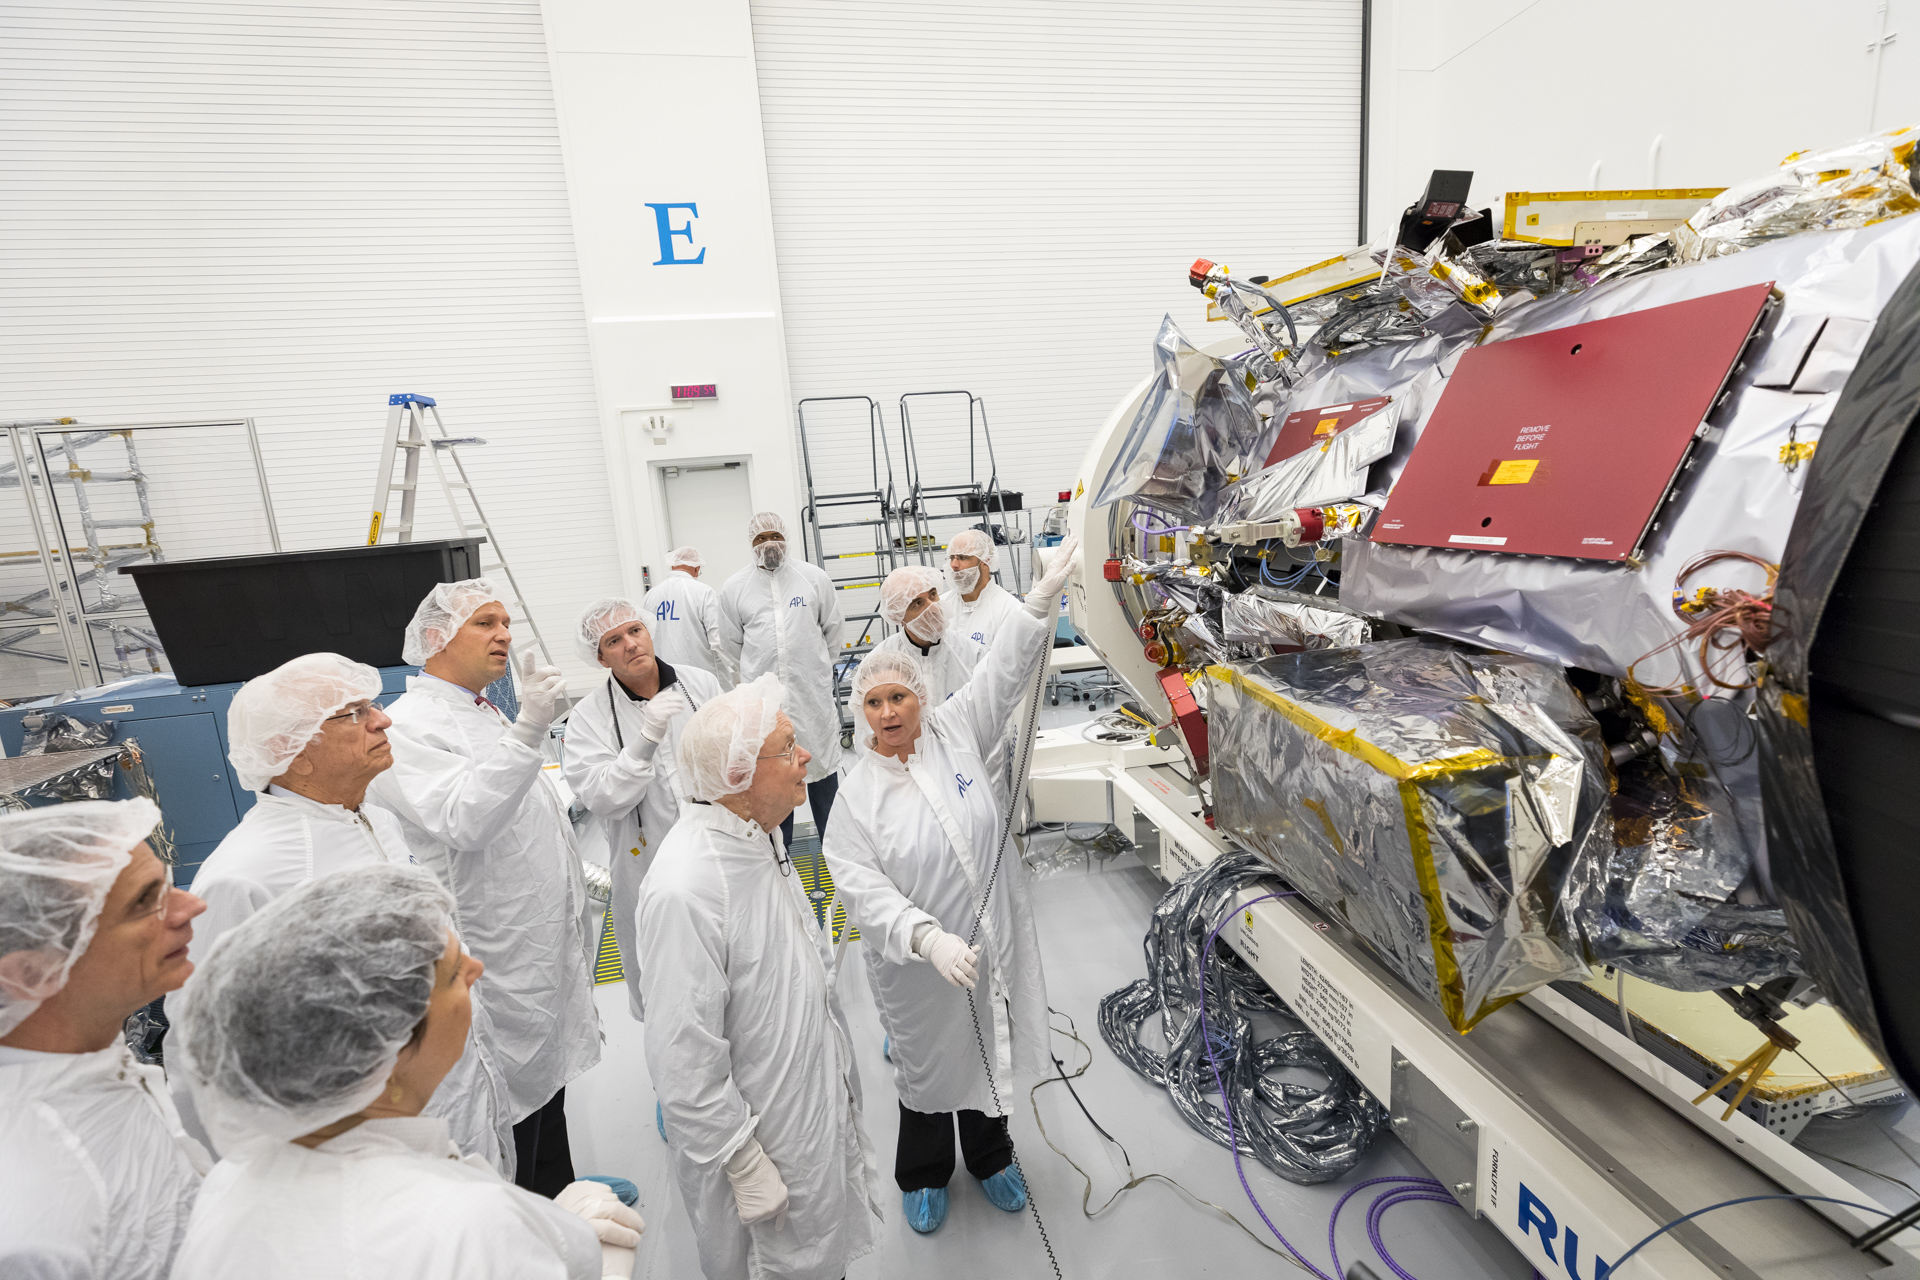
[964,783]
[665,612]
[798,602]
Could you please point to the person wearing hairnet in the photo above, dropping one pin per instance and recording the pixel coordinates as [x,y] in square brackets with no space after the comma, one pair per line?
[917,845]
[317,1032]
[683,615]
[746,1040]
[620,748]
[478,812]
[984,605]
[309,737]
[780,616]
[910,600]
[96,1175]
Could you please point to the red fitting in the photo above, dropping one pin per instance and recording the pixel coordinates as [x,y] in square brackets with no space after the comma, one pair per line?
[1146,631]
[1111,571]
[1210,825]
[1156,652]
[1198,272]
[1313,525]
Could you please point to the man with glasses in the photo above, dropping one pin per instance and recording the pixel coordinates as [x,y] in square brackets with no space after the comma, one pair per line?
[746,1040]
[309,738]
[96,1177]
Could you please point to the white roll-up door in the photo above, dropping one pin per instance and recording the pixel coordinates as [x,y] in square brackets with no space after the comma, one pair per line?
[286,211]
[1005,197]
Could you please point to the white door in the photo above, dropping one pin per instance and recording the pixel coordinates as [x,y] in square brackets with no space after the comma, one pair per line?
[708,506]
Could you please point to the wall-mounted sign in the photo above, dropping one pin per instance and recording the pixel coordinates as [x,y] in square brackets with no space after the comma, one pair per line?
[696,391]
[663,217]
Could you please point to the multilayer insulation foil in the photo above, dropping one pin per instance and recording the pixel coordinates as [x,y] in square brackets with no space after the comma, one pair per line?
[1433,799]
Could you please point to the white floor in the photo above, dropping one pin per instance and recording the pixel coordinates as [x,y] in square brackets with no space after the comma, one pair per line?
[1091,922]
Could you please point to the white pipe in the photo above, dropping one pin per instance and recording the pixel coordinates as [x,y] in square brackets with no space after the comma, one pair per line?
[1653,160]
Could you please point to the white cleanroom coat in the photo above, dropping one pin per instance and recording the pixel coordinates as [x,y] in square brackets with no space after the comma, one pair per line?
[788,622]
[638,797]
[385,1198]
[477,811]
[683,617]
[746,1039]
[982,620]
[947,664]
[915,843]
[281,843]
[96,1177]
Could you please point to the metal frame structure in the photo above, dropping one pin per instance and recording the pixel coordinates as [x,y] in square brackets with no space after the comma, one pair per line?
[876,509]
[916,509]
[34,474]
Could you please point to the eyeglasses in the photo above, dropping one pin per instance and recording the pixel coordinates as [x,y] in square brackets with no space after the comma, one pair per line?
[166,900]
[783,755]
[352,715]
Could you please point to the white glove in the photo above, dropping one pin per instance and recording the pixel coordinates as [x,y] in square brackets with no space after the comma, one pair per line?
[758,1190]
[1044,600]
[613,1222]
[950,957]
[541,689]
[660,710]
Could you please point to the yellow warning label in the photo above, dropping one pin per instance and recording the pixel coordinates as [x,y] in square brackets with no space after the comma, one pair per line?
[1798,451]
[373,534]
[1515,471]
[1326,426]
[1079,488]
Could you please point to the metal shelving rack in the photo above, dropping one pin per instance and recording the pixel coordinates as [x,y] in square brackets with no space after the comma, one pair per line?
[918,517]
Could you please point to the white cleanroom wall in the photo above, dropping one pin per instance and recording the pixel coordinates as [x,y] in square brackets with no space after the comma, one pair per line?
[1005,197]
[1555,95]
[288,211]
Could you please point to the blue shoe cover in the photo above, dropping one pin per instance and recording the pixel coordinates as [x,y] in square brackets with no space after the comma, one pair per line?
[1007,1189]
[659,1122]
[628,1193]
[927,1209]
[886,1048]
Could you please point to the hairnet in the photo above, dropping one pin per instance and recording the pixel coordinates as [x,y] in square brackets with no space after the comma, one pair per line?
[296,1016]
[890,666]
[57,864]
[275,716]
[444,611]
[902,587]
[720,743]
[601,617]
[766,522]
[972,542]
[684,558]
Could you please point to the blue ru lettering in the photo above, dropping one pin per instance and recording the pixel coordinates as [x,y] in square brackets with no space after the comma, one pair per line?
[1535,1216]
[666,612]
[964,784]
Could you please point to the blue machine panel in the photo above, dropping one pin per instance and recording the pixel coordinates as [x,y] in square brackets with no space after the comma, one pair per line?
[182,734]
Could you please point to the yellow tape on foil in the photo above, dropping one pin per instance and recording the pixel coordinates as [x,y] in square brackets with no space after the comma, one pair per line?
[1446,965]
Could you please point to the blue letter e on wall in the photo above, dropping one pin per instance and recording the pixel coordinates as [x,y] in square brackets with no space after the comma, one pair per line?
[663,220]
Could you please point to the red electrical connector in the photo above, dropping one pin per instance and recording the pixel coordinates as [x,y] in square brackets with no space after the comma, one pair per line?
[1197,273]
[1313,525]
[1111,571]
[1186,714]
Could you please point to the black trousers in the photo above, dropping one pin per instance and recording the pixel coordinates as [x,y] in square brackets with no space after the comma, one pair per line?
[819,799]
[544,1161]
[924,1156]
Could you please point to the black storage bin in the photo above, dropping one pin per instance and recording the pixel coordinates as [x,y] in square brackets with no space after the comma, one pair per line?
[242,616]
[974,504]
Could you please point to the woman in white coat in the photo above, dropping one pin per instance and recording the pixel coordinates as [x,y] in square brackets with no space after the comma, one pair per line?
[316,1033]
[619,757]
[910,600]
[922,854]
[746,1040]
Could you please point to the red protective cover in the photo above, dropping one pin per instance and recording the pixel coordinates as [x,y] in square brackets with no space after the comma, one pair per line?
[1186,713]
[1565,443]
[1302,430]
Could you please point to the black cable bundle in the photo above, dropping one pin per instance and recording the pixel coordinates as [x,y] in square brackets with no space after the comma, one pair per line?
[1305,1134]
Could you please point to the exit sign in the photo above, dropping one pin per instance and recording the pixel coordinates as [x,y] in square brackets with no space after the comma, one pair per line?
[696,391]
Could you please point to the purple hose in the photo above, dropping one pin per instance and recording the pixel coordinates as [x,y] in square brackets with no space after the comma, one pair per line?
[1165,528]
[1378,1209]
[1333,1223]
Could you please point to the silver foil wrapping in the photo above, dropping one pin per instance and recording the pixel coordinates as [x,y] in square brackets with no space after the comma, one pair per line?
[1434,800]
[1195,433]
[1332,471]
[1251,619]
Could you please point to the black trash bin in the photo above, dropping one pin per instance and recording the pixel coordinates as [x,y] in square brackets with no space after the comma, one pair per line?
[241,616]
